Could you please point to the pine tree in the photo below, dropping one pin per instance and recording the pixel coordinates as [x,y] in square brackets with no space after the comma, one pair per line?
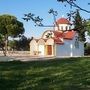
[79,26]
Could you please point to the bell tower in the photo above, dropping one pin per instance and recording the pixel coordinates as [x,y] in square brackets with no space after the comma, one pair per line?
[63,25]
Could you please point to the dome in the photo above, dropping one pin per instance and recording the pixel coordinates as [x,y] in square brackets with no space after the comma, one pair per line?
[63,21]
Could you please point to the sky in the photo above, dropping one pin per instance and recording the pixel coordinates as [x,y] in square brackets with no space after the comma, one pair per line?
[40,8]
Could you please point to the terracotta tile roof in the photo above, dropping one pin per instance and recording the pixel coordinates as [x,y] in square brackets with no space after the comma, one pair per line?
[39,39]
[58,34]
[58,40]
[45,40]
[69,34]
[36,40]
[63,21]
[64,35]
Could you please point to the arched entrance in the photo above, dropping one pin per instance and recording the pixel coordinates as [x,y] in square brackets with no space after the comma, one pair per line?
[49,47]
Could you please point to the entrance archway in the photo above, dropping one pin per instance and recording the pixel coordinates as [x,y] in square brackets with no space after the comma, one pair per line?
[49,49]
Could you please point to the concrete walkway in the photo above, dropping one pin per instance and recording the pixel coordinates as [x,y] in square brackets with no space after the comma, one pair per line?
[5,58]
[31,58]
[24,58]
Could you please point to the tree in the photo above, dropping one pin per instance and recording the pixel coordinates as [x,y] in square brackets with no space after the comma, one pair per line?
[10,27]
[13,44]
[38,21]
[79,26]
[73,4]
[23,43]
[2,44]
[87,28]
[87,49]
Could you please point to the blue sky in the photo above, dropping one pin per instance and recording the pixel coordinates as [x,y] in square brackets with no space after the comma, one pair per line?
[39,8]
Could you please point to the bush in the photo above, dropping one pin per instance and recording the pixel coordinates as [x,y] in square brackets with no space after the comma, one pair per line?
[87,49]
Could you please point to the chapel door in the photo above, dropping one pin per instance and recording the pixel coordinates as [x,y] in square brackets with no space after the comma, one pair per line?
[49,49]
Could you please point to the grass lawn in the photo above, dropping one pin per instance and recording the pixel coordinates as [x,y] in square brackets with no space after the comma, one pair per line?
[56,74]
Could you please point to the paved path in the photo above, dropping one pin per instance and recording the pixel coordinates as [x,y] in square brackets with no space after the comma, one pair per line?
[5,58]
[23,58]
[27,58]
[30,58]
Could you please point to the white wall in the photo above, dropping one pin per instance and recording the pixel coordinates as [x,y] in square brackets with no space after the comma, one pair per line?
[64,27]
[50,42]
[79,51]
[69,49]
[63,50]
[46,32]
[41,47]
[33,47]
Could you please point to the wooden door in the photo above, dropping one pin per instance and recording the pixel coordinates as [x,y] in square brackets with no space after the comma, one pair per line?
[49,49]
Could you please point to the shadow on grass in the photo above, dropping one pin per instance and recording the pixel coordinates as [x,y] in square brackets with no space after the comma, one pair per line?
[55,74]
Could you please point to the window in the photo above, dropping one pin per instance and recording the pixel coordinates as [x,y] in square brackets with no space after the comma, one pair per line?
[49,35]
[76,43]
[61,27]
[66,28]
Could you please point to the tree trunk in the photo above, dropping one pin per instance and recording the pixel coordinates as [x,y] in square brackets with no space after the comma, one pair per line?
[6,44]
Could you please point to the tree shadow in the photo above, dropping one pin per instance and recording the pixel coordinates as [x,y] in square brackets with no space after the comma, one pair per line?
[59,74]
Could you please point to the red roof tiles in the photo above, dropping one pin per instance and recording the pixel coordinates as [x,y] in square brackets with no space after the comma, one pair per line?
[58,40]
[65,35]
[69,34]
[60,36]
[62,21]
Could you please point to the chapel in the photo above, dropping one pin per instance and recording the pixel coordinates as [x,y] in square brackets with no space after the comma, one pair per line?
[62,41]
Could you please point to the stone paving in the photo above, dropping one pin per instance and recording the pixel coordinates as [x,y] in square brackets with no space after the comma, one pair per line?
[26,57]
[23,58]
[31,58]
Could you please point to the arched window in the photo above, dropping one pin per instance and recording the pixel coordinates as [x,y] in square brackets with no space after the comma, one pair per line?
[76,42]
[66,28]
[49,35]
[61,27]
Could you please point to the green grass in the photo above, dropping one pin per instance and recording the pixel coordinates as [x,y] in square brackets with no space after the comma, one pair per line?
[59,74]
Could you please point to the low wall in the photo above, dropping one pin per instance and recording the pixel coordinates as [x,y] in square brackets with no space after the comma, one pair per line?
[16,53]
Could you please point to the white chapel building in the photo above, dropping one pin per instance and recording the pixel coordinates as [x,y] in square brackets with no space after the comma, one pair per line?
[61,42]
